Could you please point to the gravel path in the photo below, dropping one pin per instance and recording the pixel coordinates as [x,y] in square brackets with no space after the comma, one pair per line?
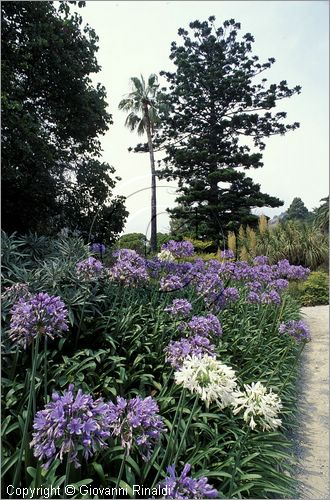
[313,435]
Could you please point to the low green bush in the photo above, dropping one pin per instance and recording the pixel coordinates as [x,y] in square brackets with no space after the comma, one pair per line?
[313,292]
[316,289]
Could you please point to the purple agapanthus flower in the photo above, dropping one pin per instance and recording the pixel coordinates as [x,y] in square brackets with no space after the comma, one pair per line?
[137,421]
[196,345]
[68,424]
[271,297]
[262,273]
[179,307]
[210,286]
[241,270]
[231,294]
[279,284]
[97,248]
[40,314]
[283,269]
[298,273]
[179,248]
[16,291]
[227,254]
[205,325]
[260,260]
[296,329]
[184,486]
[154,267]
[170,283]
[130,268]
[254,286]
[89,269]
[253,298]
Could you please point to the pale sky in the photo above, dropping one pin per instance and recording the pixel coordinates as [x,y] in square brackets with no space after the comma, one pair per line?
[135,38]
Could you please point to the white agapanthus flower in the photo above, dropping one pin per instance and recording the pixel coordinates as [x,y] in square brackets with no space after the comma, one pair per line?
[209,378]
[166,255]
[260,407]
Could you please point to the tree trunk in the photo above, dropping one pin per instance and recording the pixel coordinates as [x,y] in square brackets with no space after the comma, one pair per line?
[153,222]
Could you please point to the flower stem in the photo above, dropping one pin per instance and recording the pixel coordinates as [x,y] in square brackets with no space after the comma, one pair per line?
[294,364]
[241,443]
[121,470]
[67,474]
[285,352]
[169,439]
[34,352]
[163,390]
[45,369]
[186,430]
[12,376]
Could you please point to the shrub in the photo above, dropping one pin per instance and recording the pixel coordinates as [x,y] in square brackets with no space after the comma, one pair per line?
[133,241]
[316,289]
[313,292]
[200,246]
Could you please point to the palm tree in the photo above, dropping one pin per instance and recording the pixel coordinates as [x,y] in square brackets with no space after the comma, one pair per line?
[142,105]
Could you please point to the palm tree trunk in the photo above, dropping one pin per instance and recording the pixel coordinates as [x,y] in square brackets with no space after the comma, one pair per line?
[153,237]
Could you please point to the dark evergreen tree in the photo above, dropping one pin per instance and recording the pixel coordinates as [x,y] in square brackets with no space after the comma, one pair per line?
[87,204]
[51,118]
[297,210]
[217,98]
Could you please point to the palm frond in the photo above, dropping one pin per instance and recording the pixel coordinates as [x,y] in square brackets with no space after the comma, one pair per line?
[138,84]
[132,121]
[134,103]
[142,126]
[153,81]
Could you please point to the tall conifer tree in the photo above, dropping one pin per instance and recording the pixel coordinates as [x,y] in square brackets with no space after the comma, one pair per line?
[219,99]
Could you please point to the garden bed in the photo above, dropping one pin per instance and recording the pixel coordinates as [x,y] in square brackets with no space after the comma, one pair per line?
[208,381]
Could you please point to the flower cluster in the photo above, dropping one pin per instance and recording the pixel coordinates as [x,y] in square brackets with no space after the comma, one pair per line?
[253,298]
[136,420]
[209,378]
[254,286]
[89,269]
[210,286]
[166,255]
[271,293]
[70,423]
[97,248]
[279,284]
[227,254]
[231,294]
[205,325]
[271,297]
[296,329]
[179,307]
[179,248]
[260,260]
[177,351]
[260,407]
[284,269]
[40,314]
[183,486]
[130,269]
[17,291]
[170,283]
